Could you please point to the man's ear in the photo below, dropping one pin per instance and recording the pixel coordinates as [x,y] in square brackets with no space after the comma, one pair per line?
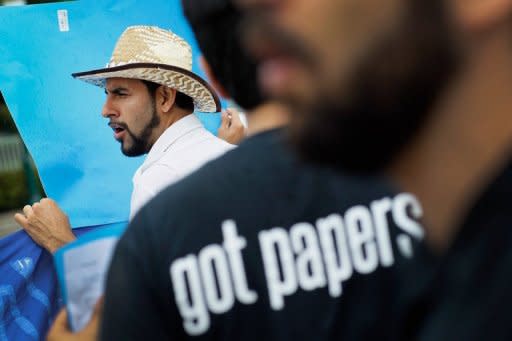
[212,79]
[481,15]
[165,98]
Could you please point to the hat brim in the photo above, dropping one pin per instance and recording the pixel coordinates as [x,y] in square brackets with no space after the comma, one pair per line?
[204,97]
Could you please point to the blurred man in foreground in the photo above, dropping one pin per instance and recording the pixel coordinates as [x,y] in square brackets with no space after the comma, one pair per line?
[419,90]
[263,247]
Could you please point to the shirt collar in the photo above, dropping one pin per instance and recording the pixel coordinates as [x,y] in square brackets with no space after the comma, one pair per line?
[177,130]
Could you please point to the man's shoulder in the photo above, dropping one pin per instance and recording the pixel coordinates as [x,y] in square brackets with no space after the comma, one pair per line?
[206,136]
[234,173]
[187,155]
[231,166]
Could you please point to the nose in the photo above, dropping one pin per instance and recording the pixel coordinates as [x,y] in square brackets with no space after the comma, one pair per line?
[108,109]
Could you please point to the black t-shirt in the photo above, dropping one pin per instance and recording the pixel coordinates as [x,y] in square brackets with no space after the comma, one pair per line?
[466,294]
[257,246]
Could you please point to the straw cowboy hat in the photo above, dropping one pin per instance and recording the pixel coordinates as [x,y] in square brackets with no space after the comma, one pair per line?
[156,55]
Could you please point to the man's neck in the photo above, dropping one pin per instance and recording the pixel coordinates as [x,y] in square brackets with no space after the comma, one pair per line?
[176,115]
[463,147]
[167,121]
[267,116]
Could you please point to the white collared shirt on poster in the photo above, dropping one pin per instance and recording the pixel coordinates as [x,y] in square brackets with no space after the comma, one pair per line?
[181,149]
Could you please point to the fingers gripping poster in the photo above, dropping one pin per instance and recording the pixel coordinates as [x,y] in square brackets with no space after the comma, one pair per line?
[59,119]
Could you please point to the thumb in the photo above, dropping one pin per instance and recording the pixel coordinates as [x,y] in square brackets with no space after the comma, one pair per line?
[59,326]
[93,324]
[61,321]
[225,119]
[98,307]
[97,310]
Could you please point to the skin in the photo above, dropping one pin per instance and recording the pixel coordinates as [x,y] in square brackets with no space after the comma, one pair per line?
[231,129]
[60,329]
[467,136]
[466,144]
[142,117]
[267,116]
[46,224]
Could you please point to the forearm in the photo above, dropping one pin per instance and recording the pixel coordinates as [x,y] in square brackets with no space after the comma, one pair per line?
[56,242]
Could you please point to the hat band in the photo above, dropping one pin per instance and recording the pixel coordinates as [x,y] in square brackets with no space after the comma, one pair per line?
[100,74]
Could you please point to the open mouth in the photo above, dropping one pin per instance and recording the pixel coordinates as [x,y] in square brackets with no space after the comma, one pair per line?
[277,57]
[277,67]
[119,130]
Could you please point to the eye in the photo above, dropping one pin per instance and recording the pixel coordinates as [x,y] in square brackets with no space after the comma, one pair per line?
[119,94]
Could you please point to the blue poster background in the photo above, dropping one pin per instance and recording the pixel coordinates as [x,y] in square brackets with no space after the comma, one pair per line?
[79,162]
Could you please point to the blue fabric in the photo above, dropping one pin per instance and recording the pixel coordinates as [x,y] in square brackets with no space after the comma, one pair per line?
[29,294]
[79,162]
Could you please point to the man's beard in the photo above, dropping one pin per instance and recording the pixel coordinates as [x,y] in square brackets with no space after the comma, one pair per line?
[140,143]
[392,92]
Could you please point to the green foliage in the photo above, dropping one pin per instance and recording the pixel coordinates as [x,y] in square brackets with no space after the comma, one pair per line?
[6,121]
[32,2]
[35,2]
[13,190]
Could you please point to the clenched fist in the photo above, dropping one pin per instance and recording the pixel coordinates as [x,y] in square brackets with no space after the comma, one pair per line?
[46,224]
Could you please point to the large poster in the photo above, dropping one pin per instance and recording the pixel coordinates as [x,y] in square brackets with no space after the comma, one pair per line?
[58,117]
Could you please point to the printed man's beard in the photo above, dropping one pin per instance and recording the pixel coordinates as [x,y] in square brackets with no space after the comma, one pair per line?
[392,92]
[140,144]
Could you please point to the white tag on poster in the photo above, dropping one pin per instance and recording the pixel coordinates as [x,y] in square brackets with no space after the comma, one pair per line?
[62,15]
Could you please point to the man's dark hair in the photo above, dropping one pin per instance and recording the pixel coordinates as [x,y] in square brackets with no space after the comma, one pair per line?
[183,101]
[216,26]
